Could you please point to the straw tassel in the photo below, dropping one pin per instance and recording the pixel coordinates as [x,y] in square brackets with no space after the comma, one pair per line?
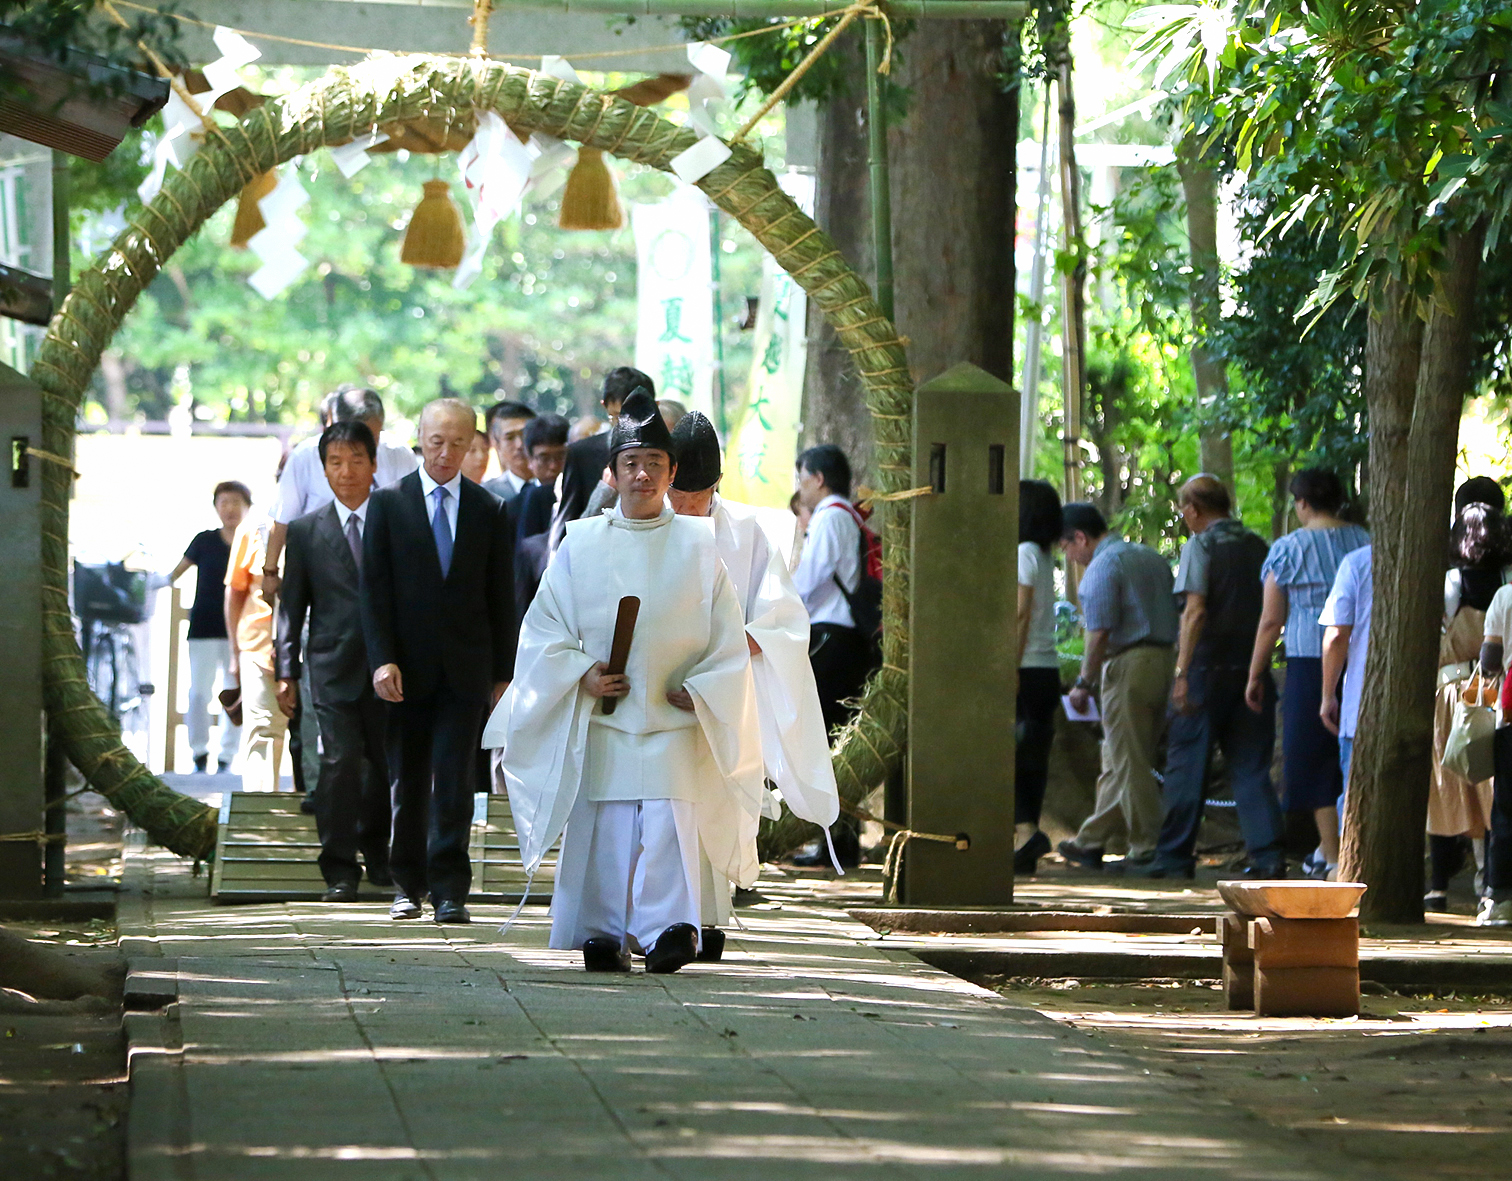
[590,202]
[249,218]
[435,237]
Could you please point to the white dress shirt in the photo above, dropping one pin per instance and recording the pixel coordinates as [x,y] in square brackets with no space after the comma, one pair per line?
[453,487]
[343,514]
[303,487]
[516,483]
[832,547]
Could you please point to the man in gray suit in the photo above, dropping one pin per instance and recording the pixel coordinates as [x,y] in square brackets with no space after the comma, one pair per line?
[322,570]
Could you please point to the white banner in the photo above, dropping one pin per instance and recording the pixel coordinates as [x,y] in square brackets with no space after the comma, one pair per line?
[674,336]
[763,446]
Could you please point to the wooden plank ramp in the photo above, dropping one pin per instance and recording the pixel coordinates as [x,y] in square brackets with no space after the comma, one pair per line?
[266,850]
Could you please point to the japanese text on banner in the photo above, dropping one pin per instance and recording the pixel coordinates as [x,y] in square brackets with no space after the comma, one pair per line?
[674,337]
[763,445]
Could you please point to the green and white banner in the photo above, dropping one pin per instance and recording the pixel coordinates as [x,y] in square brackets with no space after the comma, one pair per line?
[763,445]
[674,337]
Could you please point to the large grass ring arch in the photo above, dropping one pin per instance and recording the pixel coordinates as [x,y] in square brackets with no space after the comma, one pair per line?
[348,102]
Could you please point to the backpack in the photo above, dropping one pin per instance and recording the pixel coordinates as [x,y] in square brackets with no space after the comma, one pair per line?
[865,602]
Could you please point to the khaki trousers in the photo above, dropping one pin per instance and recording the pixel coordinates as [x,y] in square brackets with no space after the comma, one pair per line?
[264,728]
[1136,686]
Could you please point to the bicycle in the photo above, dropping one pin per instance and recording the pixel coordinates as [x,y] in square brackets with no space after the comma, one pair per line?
[111,602]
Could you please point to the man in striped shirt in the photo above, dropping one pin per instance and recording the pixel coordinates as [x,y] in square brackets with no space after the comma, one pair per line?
[1130,623]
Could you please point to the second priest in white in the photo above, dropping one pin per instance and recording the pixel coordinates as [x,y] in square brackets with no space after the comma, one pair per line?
[794,745]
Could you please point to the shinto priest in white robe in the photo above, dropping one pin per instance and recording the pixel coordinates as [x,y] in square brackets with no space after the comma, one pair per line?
[794,744]
[641,790]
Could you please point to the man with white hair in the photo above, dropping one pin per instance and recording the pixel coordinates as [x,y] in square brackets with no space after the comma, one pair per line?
[438,616]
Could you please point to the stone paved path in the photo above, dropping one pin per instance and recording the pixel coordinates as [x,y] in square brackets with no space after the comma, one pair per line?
[311,1041]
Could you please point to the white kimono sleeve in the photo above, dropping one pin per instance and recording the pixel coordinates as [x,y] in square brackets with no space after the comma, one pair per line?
[725,702]
[793,739]
[541,722]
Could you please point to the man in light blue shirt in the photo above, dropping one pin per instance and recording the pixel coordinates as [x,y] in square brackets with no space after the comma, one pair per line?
[1129,617]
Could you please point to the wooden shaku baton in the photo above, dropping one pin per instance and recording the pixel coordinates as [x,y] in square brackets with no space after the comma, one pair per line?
[619,651]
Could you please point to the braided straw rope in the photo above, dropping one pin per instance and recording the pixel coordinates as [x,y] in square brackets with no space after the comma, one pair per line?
[348,102]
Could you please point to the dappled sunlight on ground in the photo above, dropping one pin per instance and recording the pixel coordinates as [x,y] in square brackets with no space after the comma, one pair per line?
[1415,1087]
[311,1037]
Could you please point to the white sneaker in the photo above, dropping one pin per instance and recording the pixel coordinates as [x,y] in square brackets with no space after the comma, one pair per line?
[1494,914]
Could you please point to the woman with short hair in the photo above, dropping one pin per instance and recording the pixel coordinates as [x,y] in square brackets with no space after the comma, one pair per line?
[1297,575]
[1039,685]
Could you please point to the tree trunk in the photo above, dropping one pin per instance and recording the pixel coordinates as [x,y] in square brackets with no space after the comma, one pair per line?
[1416,378]
[834,404]
[113,377]
[1199,184]
[1280,499]
[953,163]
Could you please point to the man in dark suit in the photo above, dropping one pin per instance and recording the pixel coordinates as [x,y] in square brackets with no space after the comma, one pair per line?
[546,445]
[438,613]
[505,423]
[587,458]
[322,567]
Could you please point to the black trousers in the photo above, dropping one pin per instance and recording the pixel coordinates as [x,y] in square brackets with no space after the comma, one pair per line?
[432,762]
[842,659]
[352,803]
[1039,694]
[295,738]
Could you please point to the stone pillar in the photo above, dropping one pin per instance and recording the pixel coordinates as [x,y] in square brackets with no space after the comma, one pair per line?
[964,663]
[21,748]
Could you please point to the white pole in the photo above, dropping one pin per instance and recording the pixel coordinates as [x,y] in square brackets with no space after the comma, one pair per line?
[1029,402]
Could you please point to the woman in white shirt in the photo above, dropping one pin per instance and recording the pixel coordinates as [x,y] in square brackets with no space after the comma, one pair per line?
[1039,685]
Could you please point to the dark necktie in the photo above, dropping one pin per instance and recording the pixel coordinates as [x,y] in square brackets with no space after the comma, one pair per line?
[442,531]
[354,540]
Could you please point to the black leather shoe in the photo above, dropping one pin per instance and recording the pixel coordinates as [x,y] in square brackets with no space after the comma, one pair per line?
[605,955]
[1026,858]
[1156,868]
[340,892]
[223,767]
[200,764]
[1084,858]
[677,946]
[307,803]
[449,910]
[1275,872]
[711,943]
[405,908]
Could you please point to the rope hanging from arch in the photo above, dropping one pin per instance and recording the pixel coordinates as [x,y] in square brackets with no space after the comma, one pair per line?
[348,102]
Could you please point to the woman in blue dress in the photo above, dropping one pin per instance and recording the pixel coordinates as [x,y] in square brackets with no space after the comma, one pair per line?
[1298,572]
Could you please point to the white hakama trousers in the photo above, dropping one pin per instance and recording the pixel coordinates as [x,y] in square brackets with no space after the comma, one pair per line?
[716,893]
[629,869]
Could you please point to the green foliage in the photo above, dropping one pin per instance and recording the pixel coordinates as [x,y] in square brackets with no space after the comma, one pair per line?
[1296,386]
[1382,123]
[1139,416]
[57,26]
[767,60]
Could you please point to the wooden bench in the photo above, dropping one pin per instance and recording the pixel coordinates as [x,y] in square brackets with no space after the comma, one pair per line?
[1291,949]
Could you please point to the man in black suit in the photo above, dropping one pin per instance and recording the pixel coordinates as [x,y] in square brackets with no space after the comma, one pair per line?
[322,568]
[505,423]
[438,613]
[587,458]
[546,445]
